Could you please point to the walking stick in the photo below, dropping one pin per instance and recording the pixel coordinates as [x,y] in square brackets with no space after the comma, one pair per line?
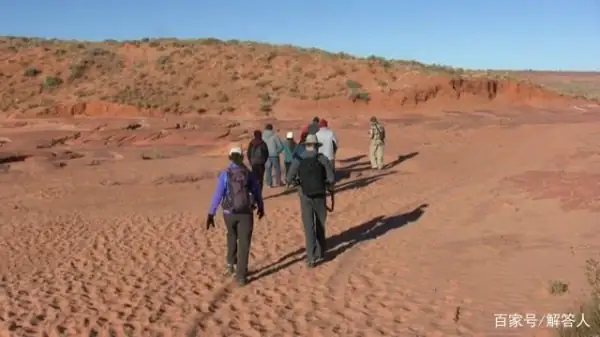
[332,194]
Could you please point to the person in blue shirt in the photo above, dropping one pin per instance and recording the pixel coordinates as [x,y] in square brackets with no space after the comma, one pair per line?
[238,192]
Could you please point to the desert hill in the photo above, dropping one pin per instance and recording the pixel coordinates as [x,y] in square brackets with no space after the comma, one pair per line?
[168,76]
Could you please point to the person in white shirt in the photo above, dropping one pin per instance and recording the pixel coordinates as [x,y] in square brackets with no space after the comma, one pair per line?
[328,140]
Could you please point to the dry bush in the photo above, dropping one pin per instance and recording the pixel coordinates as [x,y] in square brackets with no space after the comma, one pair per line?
[590,308]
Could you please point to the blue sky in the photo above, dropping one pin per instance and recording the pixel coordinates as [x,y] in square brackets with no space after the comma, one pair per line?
[509,34]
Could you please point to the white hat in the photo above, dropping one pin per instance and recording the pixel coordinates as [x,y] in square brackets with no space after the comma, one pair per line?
[290,135]
[311,139]
[235,149]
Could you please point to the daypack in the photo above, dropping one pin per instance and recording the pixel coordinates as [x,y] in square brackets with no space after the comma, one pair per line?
[238,198]
[311,173]
[258,157]
[378,132]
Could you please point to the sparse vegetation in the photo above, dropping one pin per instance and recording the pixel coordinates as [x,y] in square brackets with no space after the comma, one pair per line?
[590,308]
[351,84]
[52,81]
[558,287]
[356,93]
[169,75]
[31,72]
[266,103]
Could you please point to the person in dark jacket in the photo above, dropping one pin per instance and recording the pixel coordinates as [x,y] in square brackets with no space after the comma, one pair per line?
[310,129]
[315,176]
[258,154]
[237,191]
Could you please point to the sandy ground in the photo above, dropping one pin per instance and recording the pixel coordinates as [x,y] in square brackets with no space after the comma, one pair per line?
[108,244]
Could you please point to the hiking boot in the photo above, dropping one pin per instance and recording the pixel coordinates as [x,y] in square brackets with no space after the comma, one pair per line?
[229,270]
[310,264]
[242,281]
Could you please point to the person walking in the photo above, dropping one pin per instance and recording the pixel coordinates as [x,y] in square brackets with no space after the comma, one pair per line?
[311,129]
[275,147]
[377,136]
[237,189]
[316,177]
[258,154]
[289,149]
[328,142]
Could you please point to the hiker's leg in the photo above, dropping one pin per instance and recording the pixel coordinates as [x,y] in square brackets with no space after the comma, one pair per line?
[379,155]
[232,238]
[334,172]
[320,208]
[372,158]
[268,169]
[259,172]
[308,223]
[277,164]
[287,165]
[245,226]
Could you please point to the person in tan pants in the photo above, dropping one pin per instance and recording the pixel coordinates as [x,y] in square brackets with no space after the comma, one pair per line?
[377,136]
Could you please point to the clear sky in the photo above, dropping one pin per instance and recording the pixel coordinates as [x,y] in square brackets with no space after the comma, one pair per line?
[515,34]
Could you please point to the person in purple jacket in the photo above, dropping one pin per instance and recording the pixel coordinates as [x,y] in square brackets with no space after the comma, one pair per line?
[238,192]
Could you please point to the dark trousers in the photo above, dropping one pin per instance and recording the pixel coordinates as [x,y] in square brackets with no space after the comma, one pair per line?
[287,165]
[314,215]
[239,237]
[259,171]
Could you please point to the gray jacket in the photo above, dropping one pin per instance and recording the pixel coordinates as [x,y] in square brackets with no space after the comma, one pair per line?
[273,143]
[293,171]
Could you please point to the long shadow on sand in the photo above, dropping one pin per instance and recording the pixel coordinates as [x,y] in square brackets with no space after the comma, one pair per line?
[340,243]
[352,159]
[346,171]
[353,184]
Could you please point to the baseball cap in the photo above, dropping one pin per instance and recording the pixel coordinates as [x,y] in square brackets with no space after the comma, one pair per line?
[311,139]
[236,149]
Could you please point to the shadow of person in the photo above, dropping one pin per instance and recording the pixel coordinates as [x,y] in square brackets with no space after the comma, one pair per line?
[361,182]
[401,158]
[347,171]
[352,159]
[371,229]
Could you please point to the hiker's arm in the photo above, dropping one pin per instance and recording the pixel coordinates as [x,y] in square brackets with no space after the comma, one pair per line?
[291,174]
[335,143]
[218,195]
[329,175]
[278,144]
[255,190]
[265,150]
[249,151]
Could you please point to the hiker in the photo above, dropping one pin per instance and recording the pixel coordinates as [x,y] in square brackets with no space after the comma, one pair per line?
[311,129]
[237,190]
[289,149]
[258,153]
[315,177]
[377,136]
[275,147]
[328,142]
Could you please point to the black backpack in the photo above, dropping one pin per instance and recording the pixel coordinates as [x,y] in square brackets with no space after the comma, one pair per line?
[311,173]
[258,157]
